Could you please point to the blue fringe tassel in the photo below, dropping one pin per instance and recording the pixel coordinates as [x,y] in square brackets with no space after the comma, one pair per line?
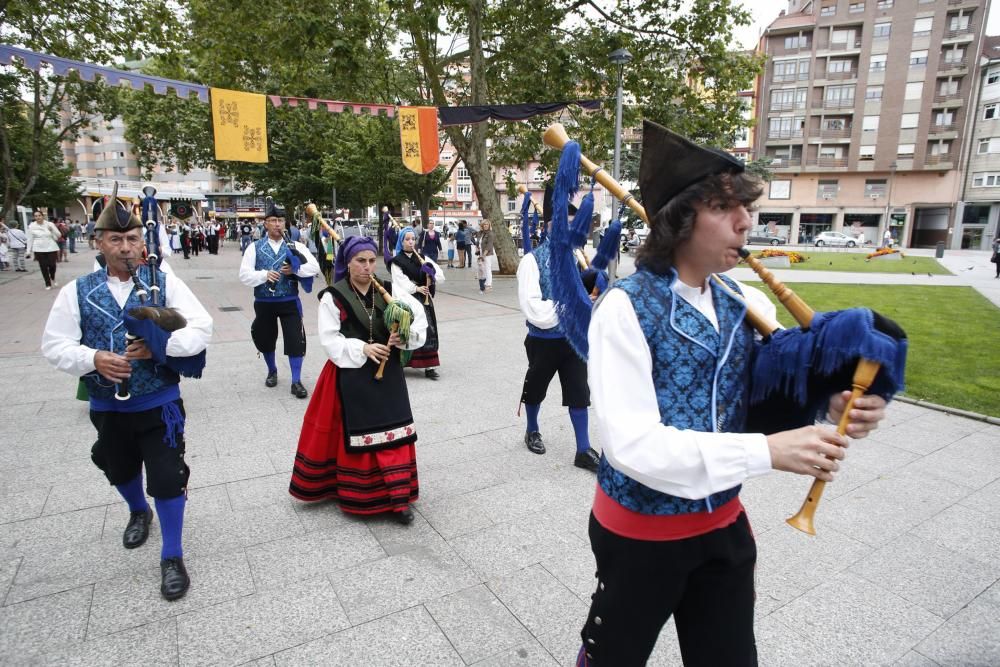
[580,227]
[609,246]
[834,340]
[174,421]
[525,228]
[189,367]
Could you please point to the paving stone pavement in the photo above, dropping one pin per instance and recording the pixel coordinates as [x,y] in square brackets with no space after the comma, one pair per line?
[496,570]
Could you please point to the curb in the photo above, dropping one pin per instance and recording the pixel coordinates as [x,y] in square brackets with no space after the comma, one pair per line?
[951,411]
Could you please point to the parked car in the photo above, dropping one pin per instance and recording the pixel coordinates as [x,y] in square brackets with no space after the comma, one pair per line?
[766,238]
[835,238]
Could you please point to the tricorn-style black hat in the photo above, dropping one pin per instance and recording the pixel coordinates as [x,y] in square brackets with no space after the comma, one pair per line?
[271,210]
[670,163]
[547,206]
[116,216]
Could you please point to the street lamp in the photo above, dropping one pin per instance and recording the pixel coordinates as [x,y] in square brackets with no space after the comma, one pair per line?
[619,58]
[888,201]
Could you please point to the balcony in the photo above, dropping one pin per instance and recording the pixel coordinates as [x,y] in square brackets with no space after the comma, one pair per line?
[784,134]
[835,134]
[941,129]
[847,105]
[788,78]
[786,106]
[839,76]
[842,46]
[794,162]
[959,35]
[939,159]
[827,162]
[957,64]
[949,100]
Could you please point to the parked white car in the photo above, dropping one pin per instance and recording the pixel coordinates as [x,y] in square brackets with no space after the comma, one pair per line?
[835,238]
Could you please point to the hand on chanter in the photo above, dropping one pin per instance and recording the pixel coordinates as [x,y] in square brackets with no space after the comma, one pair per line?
[865,415]
[377,352]
[811,450]
[113,366]
[394,340]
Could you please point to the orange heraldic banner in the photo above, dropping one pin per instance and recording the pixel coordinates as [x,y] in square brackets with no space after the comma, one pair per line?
[418,135]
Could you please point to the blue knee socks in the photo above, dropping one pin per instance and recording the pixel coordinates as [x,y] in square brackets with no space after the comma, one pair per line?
[133,494]
[296,364]
[532,412]
[171,511]
[269,359]
[579,418]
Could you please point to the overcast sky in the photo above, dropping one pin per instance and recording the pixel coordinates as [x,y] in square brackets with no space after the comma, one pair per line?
[765,11]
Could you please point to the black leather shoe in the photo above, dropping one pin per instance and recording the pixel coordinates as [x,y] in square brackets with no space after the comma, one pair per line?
[405,517]
[137,529]
[588,460]
[431,374]
[534,442]
[174,580]
[298,390]
[272,380]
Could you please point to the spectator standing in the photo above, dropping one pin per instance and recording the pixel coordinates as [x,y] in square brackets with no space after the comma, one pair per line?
[17,243]
[462,242]
[74,232]
[63,235]
[43,241]
[3,247]
[430,243]
[451,250]
[486,252]
[90,233]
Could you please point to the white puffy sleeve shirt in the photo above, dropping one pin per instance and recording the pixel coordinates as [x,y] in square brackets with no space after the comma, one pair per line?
[62,335]
[403,282]
[350,352]
[538,311]
[684,463]
[251,277]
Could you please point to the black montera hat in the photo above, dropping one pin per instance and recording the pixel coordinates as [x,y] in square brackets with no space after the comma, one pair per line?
[116,216]
[670,163]
[547,205]
[271,210]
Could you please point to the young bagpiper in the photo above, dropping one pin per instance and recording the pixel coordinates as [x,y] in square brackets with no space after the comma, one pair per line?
[668,532]
[142,423]
[358,435]
[419,278]
[274,268]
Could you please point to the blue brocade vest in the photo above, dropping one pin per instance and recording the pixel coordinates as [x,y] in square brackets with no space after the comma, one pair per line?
[541,255]
[701,378]
[103,329]
[268,260]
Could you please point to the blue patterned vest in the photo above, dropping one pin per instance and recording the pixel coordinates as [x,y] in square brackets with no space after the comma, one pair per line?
[541,255]
[268,260]
[103,329]
[701,378]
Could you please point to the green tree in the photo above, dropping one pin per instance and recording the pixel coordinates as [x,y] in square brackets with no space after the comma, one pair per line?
[93,31]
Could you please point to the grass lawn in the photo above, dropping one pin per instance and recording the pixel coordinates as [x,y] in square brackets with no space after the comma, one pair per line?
[857,262]
[952,358]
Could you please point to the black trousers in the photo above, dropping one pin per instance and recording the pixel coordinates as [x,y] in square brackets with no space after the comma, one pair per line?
[546,357]
[47,263]
[705,582]
[264,329]
[127,440]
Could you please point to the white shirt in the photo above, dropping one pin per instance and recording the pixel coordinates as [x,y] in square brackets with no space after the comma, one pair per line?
[43,237]
[251,277]
[349,352]
[401,280]
[538,311]
[61,338]
[684,463]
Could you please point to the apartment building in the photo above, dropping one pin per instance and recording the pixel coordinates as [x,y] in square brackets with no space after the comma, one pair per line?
[865,108]
[976,218]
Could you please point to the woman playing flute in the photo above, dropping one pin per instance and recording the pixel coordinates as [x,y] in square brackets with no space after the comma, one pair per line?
[358,435]
[668,531]
[417,275]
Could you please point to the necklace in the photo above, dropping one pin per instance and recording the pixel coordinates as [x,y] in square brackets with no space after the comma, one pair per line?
[370,314]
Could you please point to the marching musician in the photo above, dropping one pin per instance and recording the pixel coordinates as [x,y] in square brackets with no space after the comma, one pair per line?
[667,529]
[549,353]
[85,335]
[274,268]
[411,274]
[358,435]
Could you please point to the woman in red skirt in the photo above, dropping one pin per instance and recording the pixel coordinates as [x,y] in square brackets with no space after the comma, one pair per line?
[357,440]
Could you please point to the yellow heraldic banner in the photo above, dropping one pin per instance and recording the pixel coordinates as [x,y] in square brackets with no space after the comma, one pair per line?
[418,134]
[240,124]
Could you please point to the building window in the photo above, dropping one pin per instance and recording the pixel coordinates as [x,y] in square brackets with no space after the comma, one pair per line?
[883,4]
[918,58]
[464,189]
[922,27]
[958,22]
[867,153]
[827,189]
[990,145]
[905,151]
[462,173]
[839,66]
[990,111]
[869,124]
[985,179]
[948,87]
[839,96]
[882,30]
[941,148]
[909,121]
[943,118]
[873,93]
[844,38]
[791,98]
[877,63]
[828,10]
[993,76]
[914,90]
[797,41]
[791,70]
[511,205]
[785,128]
[856,7]
[954,55]
[875,187]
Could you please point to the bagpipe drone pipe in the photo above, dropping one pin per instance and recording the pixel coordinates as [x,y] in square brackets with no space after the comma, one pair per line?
[794,371]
